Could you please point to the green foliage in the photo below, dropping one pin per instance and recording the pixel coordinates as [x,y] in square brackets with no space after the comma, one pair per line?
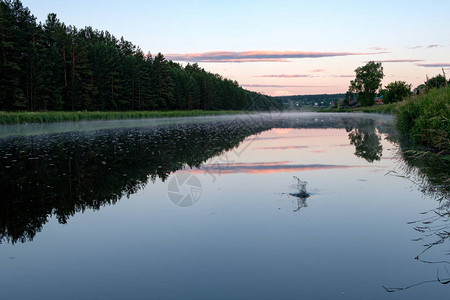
[52,66]
[426,119]
[390,108]
[436,82]
[367,82]
[396,91]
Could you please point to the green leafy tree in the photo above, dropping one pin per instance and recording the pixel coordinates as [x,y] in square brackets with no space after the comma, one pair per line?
[367,82]
[349,99]
[396,91]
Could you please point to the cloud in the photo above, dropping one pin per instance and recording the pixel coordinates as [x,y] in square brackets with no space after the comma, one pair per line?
[377,48]
[318,70]
[302,76]
[318,151]
[342,76]
[429,46]
[256,56]
[282,85]
[435,65]
[399,60]
[284,75]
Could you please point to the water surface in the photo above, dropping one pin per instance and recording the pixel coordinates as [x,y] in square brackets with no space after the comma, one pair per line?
[209,209]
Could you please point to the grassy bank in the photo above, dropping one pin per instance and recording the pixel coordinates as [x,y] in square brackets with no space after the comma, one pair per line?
[425,119]
[378,109]
[65,116]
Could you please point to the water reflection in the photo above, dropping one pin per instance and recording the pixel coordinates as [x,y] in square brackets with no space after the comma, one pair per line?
[430,173]
[366,141]
[62,174]
[68,173]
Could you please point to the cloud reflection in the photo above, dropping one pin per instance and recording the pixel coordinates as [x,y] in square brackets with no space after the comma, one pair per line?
[281,148]
[262,168]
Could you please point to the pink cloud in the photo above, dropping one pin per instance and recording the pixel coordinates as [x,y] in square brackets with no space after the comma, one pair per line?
[378,48]
[240,60]
[318,151]
[282,85]
[300,76]
[284,76]
[256,56]
[318,70]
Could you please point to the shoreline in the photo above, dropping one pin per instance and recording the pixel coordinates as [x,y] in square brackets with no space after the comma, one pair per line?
[14,118]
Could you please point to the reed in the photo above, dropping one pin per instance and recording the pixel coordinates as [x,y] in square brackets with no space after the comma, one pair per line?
[69,116]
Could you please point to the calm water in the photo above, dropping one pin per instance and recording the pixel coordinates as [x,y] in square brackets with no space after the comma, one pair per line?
[211,209]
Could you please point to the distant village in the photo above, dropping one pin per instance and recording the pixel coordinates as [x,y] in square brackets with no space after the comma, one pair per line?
[331,100]
[323,100]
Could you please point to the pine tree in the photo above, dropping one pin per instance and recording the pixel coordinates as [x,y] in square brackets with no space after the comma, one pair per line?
[163,83]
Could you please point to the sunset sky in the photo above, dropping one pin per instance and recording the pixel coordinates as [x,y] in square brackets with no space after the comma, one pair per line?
[278,47]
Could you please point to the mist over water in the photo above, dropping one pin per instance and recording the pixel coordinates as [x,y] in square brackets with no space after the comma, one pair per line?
[211,208]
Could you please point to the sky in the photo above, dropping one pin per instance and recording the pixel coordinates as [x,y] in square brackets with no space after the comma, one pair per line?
[277,47]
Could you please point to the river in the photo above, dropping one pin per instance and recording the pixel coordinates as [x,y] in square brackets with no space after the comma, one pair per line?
[260,206]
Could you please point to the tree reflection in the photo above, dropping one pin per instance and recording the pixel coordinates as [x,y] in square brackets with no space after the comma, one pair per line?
[366,141]
[64,174]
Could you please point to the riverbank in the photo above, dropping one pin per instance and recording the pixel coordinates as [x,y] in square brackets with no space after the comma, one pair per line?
[390,108]
[425,119]
[7,118]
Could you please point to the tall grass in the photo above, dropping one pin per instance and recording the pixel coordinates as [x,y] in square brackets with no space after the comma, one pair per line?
[390,108]
[64,116]
[425,119]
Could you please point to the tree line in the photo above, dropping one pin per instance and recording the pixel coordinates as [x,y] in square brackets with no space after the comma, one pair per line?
[54,66]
